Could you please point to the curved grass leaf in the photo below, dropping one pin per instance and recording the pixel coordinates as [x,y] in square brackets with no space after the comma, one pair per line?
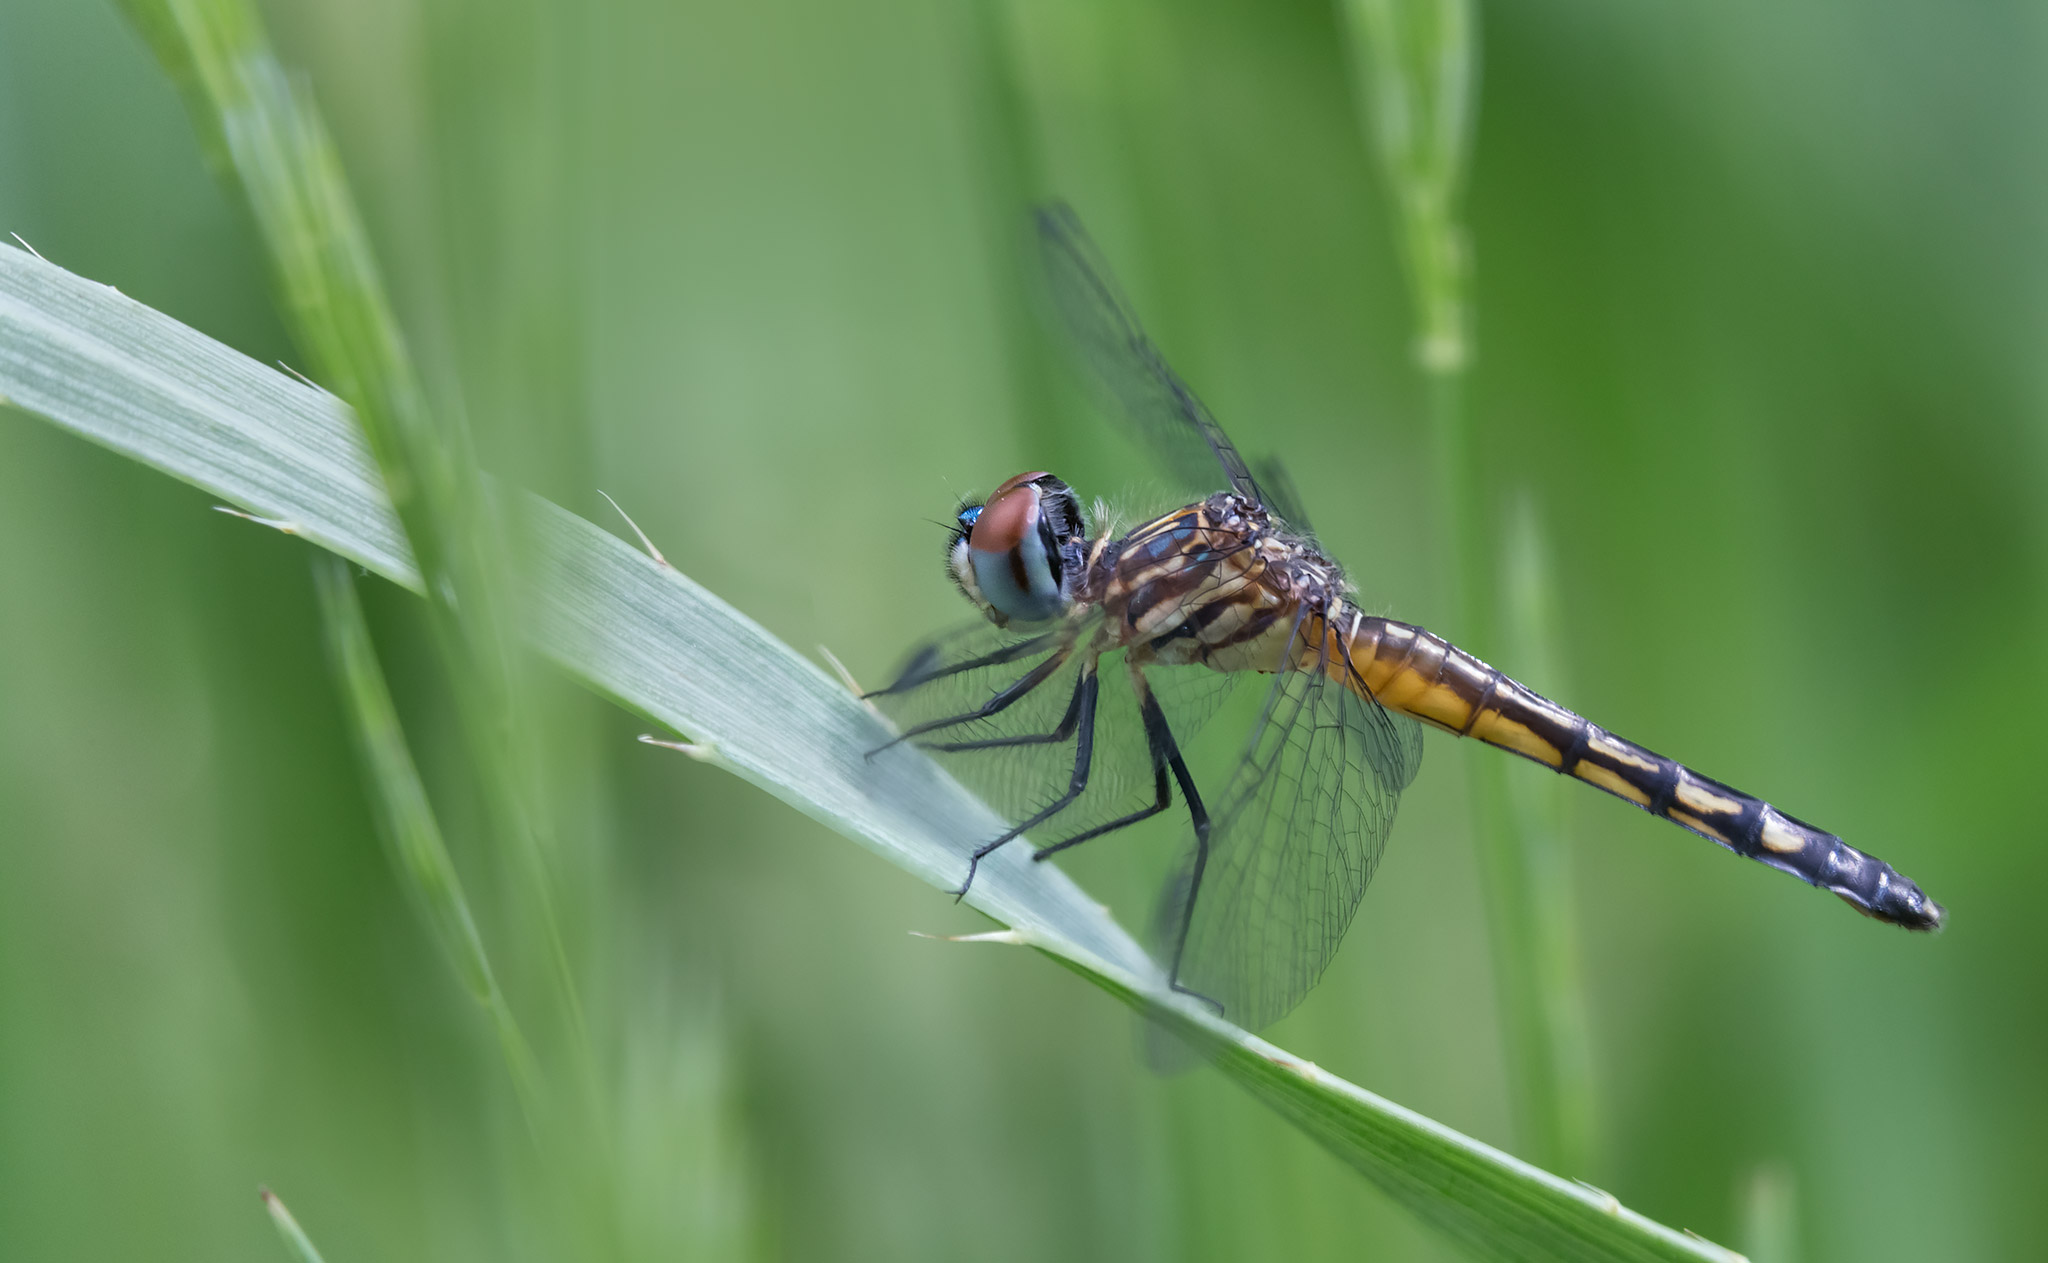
[136,381]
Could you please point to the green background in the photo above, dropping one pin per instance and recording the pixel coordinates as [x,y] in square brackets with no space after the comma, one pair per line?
[1759,297]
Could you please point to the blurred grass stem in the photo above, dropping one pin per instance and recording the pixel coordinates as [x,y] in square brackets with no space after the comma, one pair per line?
[1414,65]
[407,816]
[266,135]
[1532,887]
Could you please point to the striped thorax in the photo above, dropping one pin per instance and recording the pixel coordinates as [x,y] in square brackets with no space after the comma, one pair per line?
[1214,584]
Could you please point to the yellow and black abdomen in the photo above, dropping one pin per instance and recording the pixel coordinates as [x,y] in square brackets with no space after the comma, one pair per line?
[1417,673]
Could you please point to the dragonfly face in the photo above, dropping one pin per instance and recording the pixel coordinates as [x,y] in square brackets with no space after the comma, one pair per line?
[1067,704]
[1019,557]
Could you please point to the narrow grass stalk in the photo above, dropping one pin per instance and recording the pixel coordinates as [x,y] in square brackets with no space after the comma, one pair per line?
[268,138]
[131,379]
[294,1236]
[1551,994]
[406,816]
[1414,66]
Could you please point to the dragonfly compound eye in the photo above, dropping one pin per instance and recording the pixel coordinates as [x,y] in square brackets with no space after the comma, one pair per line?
[1014,559]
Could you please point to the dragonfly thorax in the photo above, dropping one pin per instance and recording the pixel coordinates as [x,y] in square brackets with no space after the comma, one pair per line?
[1220,584]
[1020,556]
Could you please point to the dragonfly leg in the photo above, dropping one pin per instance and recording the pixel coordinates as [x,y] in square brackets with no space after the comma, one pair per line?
[1159,741]
[994,705]
[1163,798]
[1084,759]
[1198,815]
[1058,736]
[915,674]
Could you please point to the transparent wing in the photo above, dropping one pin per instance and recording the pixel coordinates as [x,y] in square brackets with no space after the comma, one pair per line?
[1300,832]
[1158,404]
[959,672]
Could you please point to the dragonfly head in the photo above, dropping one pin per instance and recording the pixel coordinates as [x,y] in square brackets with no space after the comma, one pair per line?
[1019,556]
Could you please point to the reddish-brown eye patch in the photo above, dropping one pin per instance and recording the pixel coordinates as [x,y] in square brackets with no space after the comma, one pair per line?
[1018,481]
[1010,514]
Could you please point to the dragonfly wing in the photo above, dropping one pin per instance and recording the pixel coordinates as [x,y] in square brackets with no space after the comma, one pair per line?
[1293,847]
[1157,403]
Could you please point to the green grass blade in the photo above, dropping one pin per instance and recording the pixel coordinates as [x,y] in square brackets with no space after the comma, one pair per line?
[288,1228]
[136,381]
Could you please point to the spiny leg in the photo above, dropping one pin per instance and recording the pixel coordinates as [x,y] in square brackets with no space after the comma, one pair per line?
[994,705]
[1159,742]
[1084,758]
[1162,799]
[912,677]
[1166,758]
[1198,816]
[1058,736]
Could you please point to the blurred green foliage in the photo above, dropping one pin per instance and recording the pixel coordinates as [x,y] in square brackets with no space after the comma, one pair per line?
[1758,293]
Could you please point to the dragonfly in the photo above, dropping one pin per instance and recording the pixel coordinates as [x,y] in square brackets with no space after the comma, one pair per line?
[1098,652]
